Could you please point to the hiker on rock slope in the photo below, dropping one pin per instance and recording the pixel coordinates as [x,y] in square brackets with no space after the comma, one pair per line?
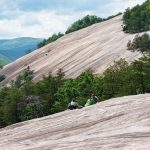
[73,105]
[91,101]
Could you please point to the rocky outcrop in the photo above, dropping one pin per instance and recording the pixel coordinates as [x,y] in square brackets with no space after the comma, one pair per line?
[117,124]
[95,47]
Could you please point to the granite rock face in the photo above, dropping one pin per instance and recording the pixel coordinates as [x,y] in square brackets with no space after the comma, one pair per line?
[95,47]
[117,124]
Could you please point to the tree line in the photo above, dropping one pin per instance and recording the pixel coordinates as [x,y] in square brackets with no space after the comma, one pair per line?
[51,39]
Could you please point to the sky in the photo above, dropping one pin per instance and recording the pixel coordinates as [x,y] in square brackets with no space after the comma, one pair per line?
[42,18]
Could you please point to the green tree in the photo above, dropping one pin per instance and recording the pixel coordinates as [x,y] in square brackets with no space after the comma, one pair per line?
[29,108]
[84,22]
[141,67]
[51,39]
[118,80]
[25,77]
[137,19]
[141,70]
[48,87]
[8,106]
[140,43]
[79,89]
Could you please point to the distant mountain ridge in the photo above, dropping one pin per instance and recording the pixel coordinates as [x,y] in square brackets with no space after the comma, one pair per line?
[15,48]
[4,60]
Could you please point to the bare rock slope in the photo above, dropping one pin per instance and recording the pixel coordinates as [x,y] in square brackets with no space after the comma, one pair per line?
[117,124]
[94,47]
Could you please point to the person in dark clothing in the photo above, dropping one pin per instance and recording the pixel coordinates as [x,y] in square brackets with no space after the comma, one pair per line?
[72,105]
[94,98]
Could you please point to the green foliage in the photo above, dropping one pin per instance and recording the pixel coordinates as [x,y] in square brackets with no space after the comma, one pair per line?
[79,89]
[84,22]
[8,105]
[87,21]
[30,107]
[47,88]
[123,79]
[141,70]
[51,39]
[137,19]
[140,43]
[24,78]
[118,80]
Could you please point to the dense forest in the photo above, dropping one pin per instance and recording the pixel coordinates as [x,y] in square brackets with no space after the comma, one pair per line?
[137,19]
[77,25]
[25,100]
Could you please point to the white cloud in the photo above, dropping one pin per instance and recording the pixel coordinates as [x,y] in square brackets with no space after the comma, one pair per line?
[123,4]
[15,22]
[112,7]
[36,24]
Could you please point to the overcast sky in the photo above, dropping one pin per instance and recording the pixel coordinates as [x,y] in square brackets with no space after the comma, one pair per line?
[42,18]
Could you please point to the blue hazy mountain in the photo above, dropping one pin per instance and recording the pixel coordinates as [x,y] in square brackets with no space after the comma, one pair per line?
[11,49]
[4,60]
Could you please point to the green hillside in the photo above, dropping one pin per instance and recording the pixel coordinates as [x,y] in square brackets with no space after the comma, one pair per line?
[15,48]
[4,60]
